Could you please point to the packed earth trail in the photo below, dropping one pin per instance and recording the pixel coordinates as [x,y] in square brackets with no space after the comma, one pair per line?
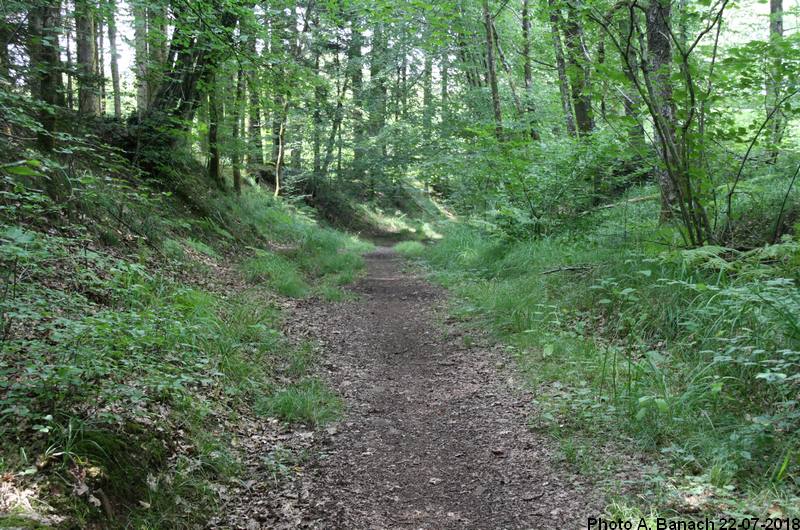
[435,431]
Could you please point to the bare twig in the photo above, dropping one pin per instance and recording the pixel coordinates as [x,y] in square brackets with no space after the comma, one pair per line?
[569,269]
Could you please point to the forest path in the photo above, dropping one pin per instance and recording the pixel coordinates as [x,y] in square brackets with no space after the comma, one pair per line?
[435,432]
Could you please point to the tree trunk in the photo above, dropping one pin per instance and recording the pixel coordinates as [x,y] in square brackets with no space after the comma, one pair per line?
[156,46]
[427,98]
[659,50]
[280,115]
[775,79]
[296,162]
[563,80]
[355,68]
[255,145]
[101,63]
[319,101]
[70,89]
[281,147]
[601,59]
[377,73]
[507,69]
[631,99]
[578,66]
[43,26]
[192,60]
[278,127]
[334,132]
[88,93]
[141,56]
[491,71]
[444,93]
[112,45]
[377,103]
[530,107]
[403,84]
[236,157]
[5,56]
[213,140]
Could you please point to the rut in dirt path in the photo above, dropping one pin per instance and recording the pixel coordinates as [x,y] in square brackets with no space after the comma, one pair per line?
[435,431]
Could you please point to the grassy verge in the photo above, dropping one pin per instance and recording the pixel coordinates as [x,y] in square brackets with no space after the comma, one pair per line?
[130,350]
[689,358]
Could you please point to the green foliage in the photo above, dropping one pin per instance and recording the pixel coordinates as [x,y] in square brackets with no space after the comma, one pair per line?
[693,353]
[114,376]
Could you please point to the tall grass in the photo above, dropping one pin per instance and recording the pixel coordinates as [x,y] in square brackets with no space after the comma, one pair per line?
[693,354]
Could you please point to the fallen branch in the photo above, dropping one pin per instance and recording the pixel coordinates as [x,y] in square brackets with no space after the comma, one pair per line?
[570,268]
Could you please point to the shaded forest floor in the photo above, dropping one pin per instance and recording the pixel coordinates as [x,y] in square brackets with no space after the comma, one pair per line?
[434,434]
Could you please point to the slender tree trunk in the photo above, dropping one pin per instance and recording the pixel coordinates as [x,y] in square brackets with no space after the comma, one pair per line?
[339,149]
[404,85]
[214,118]
[659,50]
[509,73]
[530,107]
[377,73]
[631,99]
[278,127]
[491,71]
[396,94]
[280,115]
[255,147]
[70,68]
[601,60]
[279,158]
[88,93]
[236,156]
[157,48]
[334,132]
[319,101]
[427,98]
[444,93]
[377,103]
[141,56]
[296,140]
[775,79]
[561,66]
[578,66]
[112,45]
[355,67]
[101,63]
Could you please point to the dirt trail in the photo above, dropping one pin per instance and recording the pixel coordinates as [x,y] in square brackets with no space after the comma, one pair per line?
[434,435]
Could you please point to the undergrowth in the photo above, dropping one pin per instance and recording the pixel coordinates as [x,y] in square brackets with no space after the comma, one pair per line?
[129,347]
[692,355]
